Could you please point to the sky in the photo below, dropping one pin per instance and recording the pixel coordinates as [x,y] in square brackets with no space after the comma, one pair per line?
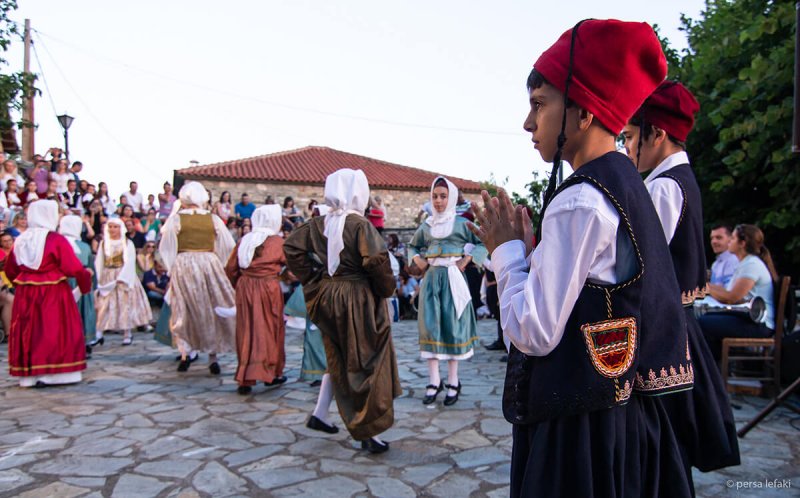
[440,85]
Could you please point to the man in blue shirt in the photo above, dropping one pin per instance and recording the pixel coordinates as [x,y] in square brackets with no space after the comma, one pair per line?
[244,209]
[723,267]
[155,282]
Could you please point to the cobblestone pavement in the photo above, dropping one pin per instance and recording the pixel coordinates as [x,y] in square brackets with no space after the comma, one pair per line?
[136,427]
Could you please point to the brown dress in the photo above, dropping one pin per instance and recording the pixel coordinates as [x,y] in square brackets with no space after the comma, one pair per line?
[350,310]
[260,330]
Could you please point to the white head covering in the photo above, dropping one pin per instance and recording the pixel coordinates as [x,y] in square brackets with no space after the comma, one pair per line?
[111,247]
[346,192]
[29,247]
[266,221]
[442,223]
[70,227]
[193,193]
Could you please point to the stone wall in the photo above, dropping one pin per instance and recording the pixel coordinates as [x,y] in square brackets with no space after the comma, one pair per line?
[402,206]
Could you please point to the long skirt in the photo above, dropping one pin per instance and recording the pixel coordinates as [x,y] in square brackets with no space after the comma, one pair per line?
[124,307]
[442,335]
[314,363]
[356,332]
[702,417]
[198,285]
[260,331]
[162,333]
[627,451]
[46,337]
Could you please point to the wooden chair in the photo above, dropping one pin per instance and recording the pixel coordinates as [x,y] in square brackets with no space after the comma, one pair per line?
[769,350]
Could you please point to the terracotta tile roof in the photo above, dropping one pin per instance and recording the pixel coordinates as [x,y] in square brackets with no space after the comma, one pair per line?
[311,165]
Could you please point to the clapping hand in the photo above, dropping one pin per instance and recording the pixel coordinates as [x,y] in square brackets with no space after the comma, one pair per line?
[500,221]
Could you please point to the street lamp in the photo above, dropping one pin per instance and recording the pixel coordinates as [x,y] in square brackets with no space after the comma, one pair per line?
[66,121]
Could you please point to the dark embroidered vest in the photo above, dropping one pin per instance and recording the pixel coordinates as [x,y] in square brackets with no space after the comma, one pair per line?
[687,246]
[620,339]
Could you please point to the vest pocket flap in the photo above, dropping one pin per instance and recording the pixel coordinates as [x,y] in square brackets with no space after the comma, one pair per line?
[611,345]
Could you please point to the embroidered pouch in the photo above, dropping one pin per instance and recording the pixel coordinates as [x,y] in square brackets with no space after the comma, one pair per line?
[611,345]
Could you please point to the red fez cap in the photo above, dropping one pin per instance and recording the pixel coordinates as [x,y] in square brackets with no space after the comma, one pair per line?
[672,108]
[616,65]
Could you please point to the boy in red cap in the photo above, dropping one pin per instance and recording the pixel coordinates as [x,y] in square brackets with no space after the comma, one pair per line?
[654,140]
[593,314]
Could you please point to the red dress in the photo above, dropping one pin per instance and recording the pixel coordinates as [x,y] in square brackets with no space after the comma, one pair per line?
[46,330]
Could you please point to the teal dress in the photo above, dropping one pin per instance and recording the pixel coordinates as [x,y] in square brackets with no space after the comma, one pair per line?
[162,333]
[442,334]
[86,302]
[314,362]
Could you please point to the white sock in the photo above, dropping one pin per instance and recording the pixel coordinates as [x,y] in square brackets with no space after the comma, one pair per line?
[433,376]
[452,376]
[378,440]
[324,399]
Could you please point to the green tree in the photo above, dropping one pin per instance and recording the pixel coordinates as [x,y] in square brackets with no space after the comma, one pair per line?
[739,65]
[14,86]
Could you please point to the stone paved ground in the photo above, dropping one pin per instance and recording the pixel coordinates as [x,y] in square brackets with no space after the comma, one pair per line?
[135,427]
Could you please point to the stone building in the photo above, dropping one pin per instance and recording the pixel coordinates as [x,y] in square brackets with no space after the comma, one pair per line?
[301,174]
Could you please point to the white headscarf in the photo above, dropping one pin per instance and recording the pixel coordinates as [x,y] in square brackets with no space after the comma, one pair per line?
[193,193]
[70,227]
[346,192]
[42,219]
[266,221]
[442,223]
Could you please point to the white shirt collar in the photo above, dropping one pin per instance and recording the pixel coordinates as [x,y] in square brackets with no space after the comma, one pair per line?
[667,164]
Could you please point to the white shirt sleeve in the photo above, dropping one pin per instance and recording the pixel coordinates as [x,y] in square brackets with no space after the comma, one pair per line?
[668,201]
[578,243]
[168,247]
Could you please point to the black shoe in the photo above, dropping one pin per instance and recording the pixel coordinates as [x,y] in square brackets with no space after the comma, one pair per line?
[496,346]
[316,383]
[374,447]
[184,365]
[276,381]
[97,341]
[430,398]
[40,385]
[244,390]
[316,424]
[214,368]
[451,400]
[504,358]
[192,358]
[88,351]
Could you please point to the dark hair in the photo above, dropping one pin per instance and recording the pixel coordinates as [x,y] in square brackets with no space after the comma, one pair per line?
[77,163]
[131,183]
[728,228]
[287,200]
[222,196]
[646,129]
[245,194]
[71,181]
[536,80]
[311,204]
[441,182]
[753,239]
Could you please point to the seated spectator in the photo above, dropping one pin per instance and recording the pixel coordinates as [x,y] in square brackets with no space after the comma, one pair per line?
[146,258]
[165,201]
[375,214]
[133,234]
[72,198]
[223,207]
[12,195]
[41,175]
[407,292]
[397,248]
[83,187]
[244,209]
[754,277]
[127,214]
[233,228]
[30,194]
[290,211]
[155,282]
[51,194]
[10,172]
[311,205]
[269,201]
[102,195]
[61,176]
[96,218]
[75,170]
[6,244]
[726,262]
[151,226]
[18,225]
[150,204]
[88,196]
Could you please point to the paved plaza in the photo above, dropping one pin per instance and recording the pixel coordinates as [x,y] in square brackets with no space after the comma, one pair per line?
[136,427]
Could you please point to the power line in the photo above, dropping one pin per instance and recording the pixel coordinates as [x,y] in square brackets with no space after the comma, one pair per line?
[280,104]
[93,116]
[44,80]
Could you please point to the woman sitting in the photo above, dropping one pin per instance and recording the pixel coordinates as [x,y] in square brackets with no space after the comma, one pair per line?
[754,277]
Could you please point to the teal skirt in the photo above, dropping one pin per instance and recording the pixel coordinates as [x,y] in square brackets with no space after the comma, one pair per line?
[314,361]
[441,333]
[87,311]
[162,333]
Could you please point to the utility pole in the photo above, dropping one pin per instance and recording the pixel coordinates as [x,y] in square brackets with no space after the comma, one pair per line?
[27,109]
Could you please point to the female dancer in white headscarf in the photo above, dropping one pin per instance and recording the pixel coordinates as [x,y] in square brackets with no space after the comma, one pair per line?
[70,227]
[45,343]
[121,301]
[343,264]
[447,329]
[253,269]
[194,246]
